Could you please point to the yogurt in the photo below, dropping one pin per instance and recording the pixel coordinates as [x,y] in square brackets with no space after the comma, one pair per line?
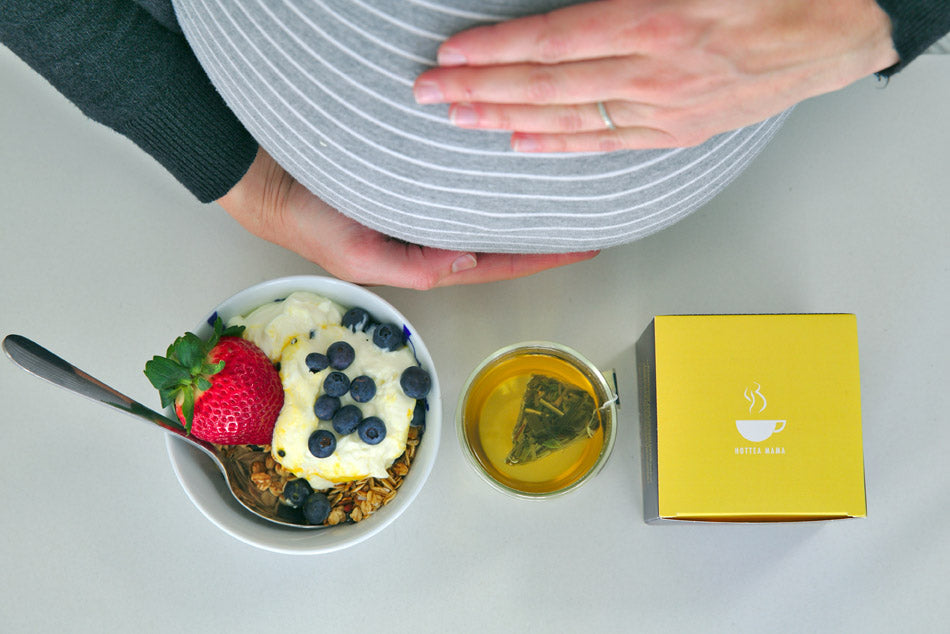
[303,323]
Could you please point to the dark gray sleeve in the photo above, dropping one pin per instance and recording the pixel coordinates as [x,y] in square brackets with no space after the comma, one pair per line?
[915,25]
[127,70]
[163,11]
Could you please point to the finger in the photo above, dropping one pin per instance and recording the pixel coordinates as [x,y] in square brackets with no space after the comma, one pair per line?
[568,83]
[549,119]
[632,138]
[584,31]
[395,263]
[493,267]
[356,253]
[304,223]
[369,257]
[422,268]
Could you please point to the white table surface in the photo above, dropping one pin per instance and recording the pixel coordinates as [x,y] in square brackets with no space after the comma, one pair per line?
[105,258]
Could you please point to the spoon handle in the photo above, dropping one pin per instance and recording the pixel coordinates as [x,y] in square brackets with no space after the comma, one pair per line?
[37,360]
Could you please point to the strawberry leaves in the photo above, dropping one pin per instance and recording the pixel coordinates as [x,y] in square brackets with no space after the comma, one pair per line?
[184,373]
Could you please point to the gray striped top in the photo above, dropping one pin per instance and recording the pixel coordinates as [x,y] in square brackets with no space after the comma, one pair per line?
[325,86]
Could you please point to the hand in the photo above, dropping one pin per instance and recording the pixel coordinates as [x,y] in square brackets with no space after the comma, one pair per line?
[269,203]
[671,73]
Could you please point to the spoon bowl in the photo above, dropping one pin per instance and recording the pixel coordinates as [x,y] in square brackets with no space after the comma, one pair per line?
[235,466]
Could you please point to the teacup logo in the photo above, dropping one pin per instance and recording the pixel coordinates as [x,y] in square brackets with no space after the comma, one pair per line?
[757,429]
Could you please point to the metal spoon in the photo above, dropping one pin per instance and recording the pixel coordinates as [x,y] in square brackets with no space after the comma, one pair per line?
[234,465]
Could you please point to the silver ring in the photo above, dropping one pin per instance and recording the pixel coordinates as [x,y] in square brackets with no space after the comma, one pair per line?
[606,117]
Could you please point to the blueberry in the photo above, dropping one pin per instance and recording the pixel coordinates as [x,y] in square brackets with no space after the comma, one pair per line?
[388,337]
[415,382]
[336,384]
[322,443]
[317,362]
[326,406]
[357,319]
[296,492]
[346,419]
[341,355]
[419,414]
[372,430]
[317,508]
[363,389]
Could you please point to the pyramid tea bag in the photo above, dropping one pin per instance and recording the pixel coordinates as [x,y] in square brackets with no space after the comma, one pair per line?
[553,415]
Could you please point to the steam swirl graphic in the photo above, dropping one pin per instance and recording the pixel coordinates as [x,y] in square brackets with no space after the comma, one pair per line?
[750,395]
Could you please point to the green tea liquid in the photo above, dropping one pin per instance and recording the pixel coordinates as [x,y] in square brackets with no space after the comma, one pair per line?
[491,411]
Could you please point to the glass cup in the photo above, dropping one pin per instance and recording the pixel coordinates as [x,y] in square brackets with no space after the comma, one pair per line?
[541,437]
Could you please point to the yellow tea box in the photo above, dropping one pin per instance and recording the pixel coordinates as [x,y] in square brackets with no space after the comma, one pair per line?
[751,418]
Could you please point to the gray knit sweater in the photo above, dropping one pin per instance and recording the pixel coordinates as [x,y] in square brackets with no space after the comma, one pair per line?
[129,67]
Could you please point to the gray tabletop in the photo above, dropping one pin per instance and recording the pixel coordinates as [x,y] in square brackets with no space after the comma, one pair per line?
[105,258]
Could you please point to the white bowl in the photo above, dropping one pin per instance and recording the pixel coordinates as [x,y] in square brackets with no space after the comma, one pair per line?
[205,486]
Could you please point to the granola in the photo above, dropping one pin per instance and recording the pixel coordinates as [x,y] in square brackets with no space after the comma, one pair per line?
[350,501]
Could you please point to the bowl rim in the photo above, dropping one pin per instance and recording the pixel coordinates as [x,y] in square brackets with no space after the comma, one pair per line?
[204,486]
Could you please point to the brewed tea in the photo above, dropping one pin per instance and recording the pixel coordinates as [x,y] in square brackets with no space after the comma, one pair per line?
[566,435]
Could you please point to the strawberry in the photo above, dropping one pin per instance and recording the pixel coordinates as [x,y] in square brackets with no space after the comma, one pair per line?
[225,390]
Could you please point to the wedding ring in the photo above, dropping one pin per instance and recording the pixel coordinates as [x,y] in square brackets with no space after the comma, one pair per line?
[606,117]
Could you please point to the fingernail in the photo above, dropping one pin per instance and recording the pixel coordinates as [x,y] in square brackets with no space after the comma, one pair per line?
[427,92]
[525,144]
[464,262]
[451,57]
[463,115]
